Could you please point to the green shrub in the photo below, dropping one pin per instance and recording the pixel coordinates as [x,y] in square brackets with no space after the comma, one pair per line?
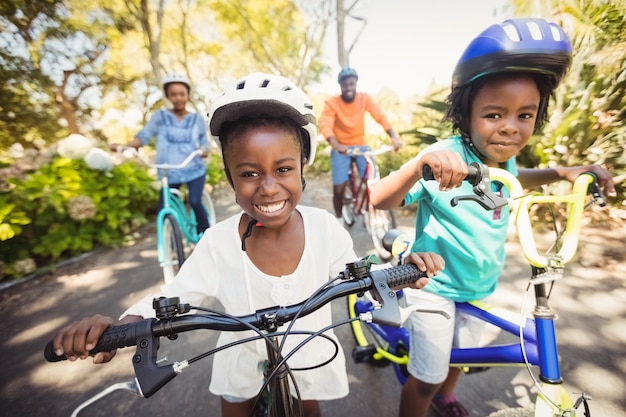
[215,170]
[65,208]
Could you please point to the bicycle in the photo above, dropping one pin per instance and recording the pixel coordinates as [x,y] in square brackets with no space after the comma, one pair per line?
[176,221]
[382,345]
[173,318]
[357,199]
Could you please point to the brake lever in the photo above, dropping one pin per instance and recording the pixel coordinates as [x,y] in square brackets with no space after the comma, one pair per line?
[479,178]
[595,191]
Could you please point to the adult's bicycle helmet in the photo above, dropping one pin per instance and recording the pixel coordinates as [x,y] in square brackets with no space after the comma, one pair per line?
[347,72]
[260,94]
[175,77]
[516,45]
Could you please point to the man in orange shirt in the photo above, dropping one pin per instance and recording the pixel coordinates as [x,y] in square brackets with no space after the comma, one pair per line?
[343,125]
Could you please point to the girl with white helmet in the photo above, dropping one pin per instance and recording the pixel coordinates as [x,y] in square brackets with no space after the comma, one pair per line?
[177,133]
[274,252]
[501,88]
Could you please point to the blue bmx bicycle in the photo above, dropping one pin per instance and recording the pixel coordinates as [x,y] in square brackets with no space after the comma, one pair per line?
[176,221]
[379,344]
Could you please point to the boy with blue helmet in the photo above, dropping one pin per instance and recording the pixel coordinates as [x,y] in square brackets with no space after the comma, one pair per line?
[501,87]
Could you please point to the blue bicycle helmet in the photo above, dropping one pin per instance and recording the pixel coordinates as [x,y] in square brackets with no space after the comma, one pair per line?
[347,72]
[516,45]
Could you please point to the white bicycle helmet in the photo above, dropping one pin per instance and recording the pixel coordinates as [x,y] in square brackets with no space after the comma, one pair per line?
[260,94]
[175,77]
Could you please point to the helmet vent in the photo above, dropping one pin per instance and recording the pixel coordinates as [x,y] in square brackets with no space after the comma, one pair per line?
[511,32]
[286,88]
[535,31]
[556,34]
[241,85]
[265,83]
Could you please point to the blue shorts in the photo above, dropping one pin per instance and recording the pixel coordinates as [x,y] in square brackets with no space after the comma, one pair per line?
[340,164]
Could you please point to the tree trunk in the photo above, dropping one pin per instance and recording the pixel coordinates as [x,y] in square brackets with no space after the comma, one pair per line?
[342,54]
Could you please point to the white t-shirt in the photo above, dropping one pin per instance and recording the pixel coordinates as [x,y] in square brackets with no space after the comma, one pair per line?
[219,268]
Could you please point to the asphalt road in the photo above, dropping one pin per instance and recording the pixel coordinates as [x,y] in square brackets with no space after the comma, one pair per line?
[591,303]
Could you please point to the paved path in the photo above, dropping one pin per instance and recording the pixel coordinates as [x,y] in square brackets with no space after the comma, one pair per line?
[591,303]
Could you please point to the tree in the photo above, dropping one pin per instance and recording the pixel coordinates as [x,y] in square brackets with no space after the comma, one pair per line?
[343,12]
[58,51]
[272,36]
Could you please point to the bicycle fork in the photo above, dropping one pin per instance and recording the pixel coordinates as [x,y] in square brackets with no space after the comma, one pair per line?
[553,395]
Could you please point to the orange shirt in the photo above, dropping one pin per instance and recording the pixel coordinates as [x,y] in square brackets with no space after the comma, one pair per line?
[346,121]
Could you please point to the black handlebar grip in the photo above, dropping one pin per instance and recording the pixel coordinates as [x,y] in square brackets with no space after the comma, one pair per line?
[49,354]
[427,173]
[402,275]
[473,172]
[111,339]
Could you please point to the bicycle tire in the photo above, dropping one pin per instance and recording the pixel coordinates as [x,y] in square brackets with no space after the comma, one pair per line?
[543,408]
[173,249]
[368,342]
[348,210]
[377,223]
[207,202]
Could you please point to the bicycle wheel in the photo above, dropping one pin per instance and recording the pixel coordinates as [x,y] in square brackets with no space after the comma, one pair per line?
[348,210]
[173,249]
[207,202]
[560,403]
[378,222]
[369,344]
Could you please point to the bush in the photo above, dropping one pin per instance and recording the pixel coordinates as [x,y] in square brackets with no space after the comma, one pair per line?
[65,208]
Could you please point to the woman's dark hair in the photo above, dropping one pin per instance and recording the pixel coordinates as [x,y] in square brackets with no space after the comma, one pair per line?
[461,98]
[232,130]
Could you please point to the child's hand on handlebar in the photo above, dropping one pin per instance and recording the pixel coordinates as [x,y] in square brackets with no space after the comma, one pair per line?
[396,143]
[448,168]
[135,143]
[428,262]
[77,339]
[604,176]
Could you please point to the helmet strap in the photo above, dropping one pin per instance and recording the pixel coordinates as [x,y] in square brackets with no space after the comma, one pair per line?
[470,145]
[248,232]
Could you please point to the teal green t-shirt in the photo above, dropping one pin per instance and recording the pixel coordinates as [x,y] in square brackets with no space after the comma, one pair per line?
[469,238]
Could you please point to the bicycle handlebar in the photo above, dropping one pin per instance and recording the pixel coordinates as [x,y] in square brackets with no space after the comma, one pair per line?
[356,278]
[480,176]
[372,152]
[187,161]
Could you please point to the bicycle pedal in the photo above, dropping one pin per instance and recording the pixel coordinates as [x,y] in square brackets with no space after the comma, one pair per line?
[363,354]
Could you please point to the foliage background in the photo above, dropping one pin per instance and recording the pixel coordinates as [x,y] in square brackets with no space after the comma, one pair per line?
[94,68]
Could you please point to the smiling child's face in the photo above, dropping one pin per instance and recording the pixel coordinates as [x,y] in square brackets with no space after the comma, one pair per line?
[502,117]
[266,169]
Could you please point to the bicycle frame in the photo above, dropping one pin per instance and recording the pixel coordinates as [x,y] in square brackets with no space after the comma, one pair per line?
[176,225]
[357,201]
[360,184]
[481,356]
[537,344]
[174,205]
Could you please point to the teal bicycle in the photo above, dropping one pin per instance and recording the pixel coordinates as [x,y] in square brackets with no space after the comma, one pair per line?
[176,221]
